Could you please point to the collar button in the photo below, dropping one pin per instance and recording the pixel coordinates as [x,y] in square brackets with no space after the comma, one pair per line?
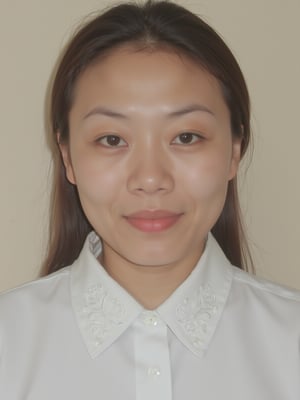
[150,318]
[154,371]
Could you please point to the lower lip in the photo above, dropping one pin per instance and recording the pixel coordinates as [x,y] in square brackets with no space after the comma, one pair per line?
[153,225]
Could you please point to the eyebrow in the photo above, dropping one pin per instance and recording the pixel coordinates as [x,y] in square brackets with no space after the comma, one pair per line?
[189,109]
[177,113]
[104,111]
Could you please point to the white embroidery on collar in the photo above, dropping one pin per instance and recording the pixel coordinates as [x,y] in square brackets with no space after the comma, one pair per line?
[192,314]
[101,313]
[195,313]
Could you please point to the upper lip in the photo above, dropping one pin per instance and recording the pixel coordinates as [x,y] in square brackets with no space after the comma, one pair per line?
[153,214]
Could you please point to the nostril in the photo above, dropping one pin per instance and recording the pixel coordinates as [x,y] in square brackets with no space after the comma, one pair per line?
[150,185]
[150,172]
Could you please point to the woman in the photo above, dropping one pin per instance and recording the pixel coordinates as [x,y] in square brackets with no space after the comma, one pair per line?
[140,299]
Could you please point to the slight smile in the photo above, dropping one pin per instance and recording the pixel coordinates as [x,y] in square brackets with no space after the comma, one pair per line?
[153,220]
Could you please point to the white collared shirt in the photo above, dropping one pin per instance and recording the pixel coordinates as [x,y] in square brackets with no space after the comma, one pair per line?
[223,334]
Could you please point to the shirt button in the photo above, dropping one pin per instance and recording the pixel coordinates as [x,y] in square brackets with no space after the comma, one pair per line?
[150,319]
[154,371]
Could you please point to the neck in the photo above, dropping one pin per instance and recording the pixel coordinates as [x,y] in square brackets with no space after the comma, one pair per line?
[149,285]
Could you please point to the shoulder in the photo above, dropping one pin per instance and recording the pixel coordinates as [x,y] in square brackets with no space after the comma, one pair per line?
[33,293]
[265,300]
[266,287]
[31,311]
[27,308]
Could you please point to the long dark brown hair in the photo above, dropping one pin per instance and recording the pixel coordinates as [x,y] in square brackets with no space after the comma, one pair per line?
[151,25]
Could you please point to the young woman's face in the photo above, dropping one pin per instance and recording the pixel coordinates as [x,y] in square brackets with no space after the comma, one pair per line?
[151,153]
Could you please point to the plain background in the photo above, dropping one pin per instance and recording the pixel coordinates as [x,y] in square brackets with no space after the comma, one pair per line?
[263,35]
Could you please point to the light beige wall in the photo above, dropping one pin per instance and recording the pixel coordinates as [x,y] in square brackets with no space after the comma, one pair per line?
[263,34]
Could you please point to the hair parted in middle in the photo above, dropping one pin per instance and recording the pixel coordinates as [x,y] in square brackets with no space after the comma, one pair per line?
[149,26]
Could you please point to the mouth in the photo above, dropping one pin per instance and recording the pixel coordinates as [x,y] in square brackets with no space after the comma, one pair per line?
[153,221]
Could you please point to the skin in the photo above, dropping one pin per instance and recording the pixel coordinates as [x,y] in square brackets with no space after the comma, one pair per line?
[147,165]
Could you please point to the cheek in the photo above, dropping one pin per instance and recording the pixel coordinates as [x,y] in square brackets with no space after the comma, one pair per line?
[208,178]
[97,183]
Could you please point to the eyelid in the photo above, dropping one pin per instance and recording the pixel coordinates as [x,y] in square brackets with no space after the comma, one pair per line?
[104,137]
[199,137]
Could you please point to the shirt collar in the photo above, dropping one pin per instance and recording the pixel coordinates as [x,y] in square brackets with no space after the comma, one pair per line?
[104,310]
[193,311]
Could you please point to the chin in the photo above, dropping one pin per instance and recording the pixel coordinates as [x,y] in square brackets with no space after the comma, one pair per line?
[153,259]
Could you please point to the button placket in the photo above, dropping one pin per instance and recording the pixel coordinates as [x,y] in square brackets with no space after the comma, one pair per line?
[153,371]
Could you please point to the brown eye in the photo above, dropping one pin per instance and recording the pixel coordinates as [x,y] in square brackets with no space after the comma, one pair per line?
[187,138]
[111,141]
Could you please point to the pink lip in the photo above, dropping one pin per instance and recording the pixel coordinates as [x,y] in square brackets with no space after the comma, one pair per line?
[153,221]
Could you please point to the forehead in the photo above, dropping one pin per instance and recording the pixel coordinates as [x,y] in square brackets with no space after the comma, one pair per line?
[161,76]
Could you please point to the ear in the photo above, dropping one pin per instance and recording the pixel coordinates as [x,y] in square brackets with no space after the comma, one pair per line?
[235,158]
[65,154]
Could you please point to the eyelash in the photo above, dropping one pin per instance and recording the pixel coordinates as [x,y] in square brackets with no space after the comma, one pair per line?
[104,138]
[195,138]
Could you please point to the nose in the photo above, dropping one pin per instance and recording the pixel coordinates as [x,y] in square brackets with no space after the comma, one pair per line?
[150,173]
